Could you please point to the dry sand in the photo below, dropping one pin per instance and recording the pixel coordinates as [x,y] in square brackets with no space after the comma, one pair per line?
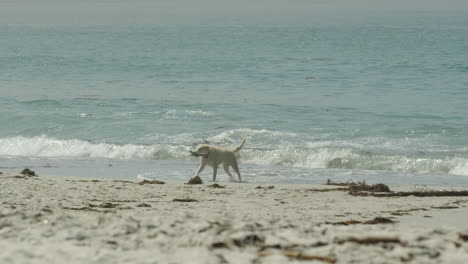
[74,220]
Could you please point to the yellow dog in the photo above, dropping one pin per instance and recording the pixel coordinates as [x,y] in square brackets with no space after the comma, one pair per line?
[214,156]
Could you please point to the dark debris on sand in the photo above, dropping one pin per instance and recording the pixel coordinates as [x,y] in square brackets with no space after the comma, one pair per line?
[382,190]
[104,205]
[372,240]
[184,200]
[151,182]
[463,237]
[360,186]
[28,172]
[217,186]
[376,220]
[271,187]
[143,205]
[301,256]
[257,241]
[248,240]
[123,181]
[93,207]
[416,194]
[195,180]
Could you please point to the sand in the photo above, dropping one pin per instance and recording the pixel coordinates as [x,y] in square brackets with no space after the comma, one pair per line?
[49,219]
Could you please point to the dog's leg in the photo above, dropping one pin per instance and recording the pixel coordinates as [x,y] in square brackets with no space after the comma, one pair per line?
[226,169]
[202,166]
[215,170]
[236,169]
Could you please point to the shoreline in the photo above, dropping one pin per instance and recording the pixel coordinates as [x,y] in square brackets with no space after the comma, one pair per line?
[49,219]
[181,171]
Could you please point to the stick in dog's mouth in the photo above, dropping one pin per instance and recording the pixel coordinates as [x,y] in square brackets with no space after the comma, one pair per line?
[195,154]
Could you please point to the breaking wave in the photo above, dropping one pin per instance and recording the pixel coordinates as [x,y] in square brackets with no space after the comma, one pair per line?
[48,147]
[320,156]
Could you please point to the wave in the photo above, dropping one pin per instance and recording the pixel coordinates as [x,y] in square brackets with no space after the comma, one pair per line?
[48,147]
[321,156]
[349,158]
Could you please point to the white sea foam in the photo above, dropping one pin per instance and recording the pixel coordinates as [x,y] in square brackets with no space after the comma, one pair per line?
[461,168]
[50,147]
[285,155]
[84,114]
[199,113]
[266,137]
[145,176]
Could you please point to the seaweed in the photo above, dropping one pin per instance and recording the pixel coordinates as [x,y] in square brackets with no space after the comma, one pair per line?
[445,207]
[84,208]
[143,205]
[219,245]
[186,200]
[359,186]
[348,183]
[405,194]
[376,220]
[91,207]
[195,180]
[379,220]
[271,187]
[103,205]
[328,190]
[372,240]
[301,256]
[463,237]
[249,240]
[151,182]
[28,172]
[123,181]
[217,186]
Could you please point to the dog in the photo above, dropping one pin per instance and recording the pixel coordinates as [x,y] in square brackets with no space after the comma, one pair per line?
[214,156]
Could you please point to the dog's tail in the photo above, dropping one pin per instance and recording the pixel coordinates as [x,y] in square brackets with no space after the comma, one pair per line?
[240,146]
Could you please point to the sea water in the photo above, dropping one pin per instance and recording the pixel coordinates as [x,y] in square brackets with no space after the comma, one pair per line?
[381,100]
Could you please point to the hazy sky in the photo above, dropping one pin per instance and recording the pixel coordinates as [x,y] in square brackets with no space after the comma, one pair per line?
[92,12]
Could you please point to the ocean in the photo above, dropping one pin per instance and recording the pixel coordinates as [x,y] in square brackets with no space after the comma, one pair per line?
[384,100]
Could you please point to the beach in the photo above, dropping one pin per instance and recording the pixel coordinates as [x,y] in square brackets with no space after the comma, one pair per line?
[354,117]
[50,219]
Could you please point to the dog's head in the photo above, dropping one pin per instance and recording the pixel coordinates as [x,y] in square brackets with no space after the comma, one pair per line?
[201,150]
